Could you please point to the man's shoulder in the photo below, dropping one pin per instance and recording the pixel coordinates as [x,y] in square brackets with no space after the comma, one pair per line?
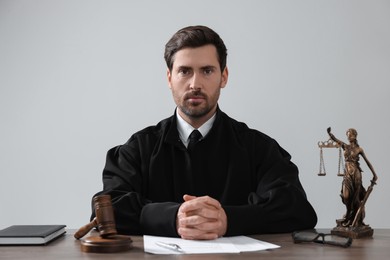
[251,138]
[155,130]
[242,128]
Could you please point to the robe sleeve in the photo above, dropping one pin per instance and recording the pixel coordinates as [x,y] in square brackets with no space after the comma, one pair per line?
[279,203]
[123,180]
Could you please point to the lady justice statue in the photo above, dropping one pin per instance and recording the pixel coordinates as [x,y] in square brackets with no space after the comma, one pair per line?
[353,194]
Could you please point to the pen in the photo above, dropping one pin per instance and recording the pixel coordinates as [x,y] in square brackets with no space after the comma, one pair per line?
[170,246]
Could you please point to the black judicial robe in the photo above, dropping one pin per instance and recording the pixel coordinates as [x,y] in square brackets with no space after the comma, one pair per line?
[245,170]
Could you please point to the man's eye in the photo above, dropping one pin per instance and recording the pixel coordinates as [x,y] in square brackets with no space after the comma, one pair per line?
[184,72]
[208,71]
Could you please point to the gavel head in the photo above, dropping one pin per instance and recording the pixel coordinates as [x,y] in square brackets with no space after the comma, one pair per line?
[104,215]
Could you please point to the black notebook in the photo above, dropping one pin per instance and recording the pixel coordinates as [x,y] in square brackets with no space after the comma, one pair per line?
[30,234]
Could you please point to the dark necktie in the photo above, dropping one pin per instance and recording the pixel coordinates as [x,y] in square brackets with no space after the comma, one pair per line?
[195,136]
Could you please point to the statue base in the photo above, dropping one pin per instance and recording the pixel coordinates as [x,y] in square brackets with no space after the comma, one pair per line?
[352,232]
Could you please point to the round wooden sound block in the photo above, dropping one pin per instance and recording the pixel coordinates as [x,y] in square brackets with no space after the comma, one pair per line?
[111,244]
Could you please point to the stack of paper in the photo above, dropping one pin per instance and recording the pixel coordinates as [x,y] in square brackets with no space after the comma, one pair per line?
[237,244]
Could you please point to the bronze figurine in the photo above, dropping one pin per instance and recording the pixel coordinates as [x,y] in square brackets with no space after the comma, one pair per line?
[353,194]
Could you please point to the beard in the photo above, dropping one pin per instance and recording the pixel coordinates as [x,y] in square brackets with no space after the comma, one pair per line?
[195,109]
[194,112]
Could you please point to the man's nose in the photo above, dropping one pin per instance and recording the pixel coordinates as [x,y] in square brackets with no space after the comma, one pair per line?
[196,82]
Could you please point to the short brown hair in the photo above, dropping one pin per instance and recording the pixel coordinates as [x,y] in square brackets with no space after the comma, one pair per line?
[192,37]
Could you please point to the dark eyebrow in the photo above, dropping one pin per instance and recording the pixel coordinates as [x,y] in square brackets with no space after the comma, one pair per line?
[184,68]
[208,67]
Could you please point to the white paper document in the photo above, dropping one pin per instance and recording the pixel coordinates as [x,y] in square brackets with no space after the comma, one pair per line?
[168,245]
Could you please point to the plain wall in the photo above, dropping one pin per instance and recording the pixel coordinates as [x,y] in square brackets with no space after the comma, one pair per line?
[79,77]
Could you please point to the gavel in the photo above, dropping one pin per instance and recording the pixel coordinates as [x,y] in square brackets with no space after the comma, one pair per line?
[104,220]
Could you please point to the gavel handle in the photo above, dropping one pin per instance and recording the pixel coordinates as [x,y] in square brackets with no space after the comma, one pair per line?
[85,229]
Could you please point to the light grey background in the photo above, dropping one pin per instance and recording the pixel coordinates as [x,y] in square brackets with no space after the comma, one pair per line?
[79,77]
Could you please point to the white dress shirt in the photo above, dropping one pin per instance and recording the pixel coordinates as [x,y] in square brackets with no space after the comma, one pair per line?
[185,129]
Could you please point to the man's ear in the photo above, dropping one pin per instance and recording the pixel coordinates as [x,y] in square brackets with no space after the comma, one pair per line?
[169,77]
[225,76]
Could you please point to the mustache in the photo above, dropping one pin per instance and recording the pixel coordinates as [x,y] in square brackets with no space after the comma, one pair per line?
[196,93]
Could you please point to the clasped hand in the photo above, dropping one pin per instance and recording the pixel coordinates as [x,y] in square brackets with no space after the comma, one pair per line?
[201,218]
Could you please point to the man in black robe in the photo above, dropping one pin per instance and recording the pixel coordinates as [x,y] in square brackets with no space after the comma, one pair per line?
[222,179]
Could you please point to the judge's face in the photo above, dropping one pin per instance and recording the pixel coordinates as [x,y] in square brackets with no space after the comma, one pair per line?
[196,80]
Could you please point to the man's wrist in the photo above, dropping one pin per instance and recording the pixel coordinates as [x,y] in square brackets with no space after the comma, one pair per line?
[159,219]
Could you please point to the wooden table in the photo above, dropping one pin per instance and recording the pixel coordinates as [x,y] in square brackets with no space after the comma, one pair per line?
[66,247]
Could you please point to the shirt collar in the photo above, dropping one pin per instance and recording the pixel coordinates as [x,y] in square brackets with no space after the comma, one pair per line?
[185,129]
